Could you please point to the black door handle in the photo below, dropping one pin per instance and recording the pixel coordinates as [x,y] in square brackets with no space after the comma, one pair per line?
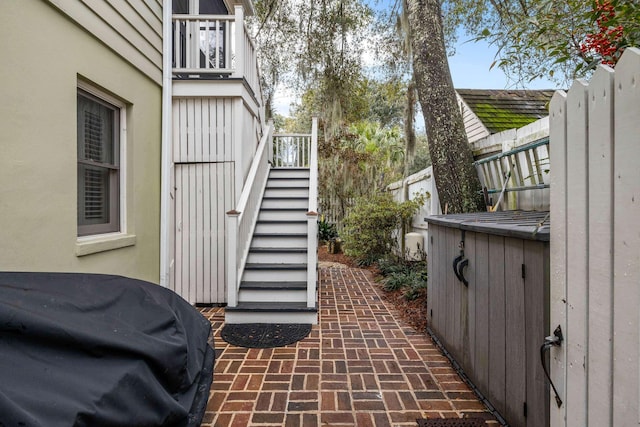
[456,260]
[459,263]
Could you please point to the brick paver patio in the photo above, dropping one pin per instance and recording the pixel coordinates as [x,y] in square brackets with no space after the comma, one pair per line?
[361,365]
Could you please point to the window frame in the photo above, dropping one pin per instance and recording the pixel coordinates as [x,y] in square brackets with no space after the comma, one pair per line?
[117,167]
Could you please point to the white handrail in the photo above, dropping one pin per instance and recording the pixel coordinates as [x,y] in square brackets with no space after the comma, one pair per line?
[292,150]
[241,221]
[312,218]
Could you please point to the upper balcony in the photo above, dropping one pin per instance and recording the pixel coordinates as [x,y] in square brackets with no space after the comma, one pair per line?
[214,47]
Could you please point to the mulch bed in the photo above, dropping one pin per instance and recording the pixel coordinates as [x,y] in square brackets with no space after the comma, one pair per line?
[413,312]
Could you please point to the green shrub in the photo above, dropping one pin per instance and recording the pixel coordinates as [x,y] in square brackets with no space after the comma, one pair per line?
[371,226]
[411,277]
[326,230]
[394,281]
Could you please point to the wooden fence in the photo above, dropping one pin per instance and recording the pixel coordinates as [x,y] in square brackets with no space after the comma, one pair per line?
[595,248]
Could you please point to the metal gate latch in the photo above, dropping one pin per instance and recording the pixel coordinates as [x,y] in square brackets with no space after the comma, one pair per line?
[554,340]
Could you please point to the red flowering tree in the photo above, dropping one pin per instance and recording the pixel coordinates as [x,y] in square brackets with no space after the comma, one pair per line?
[614,32]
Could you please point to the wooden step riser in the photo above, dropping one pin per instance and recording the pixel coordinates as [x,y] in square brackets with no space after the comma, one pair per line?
[274,275]
[279,242]
[291,182]
[286,192]
[282,215]
[282,227]
[276,258]
[285,204]
[255,295]
[289,173]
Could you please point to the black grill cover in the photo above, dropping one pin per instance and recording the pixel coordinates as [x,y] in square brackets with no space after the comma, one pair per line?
[98,350]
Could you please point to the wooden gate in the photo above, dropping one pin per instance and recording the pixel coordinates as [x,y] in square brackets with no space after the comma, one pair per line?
[204,192]
[595,248]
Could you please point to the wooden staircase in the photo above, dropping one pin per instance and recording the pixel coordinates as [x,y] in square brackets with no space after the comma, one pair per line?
[273,287]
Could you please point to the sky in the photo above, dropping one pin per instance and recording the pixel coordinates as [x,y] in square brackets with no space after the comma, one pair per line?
[470,68]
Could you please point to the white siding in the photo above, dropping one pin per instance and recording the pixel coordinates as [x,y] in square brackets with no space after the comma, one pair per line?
[202,129]
[473,127]
[204,154]
[131,28]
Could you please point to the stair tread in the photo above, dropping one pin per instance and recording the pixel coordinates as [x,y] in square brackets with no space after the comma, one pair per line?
[284,209]
[288,177]
[287,187]
[286,197]
[260,234]
[273,285]
[272,306]
[273,266]
[281,221]
[277,250]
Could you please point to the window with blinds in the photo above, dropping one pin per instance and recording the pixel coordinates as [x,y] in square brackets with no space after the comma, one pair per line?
[98,165]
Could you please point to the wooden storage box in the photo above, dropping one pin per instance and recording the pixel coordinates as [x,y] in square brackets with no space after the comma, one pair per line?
[494,325]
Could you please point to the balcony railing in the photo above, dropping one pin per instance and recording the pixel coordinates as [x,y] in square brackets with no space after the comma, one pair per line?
[214,45]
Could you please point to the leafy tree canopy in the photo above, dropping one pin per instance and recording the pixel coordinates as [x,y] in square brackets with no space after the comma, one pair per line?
[557,39]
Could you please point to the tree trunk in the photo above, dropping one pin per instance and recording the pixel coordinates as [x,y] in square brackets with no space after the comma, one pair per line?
[455,176]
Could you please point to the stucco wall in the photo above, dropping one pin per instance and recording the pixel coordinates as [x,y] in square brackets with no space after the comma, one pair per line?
[44,56]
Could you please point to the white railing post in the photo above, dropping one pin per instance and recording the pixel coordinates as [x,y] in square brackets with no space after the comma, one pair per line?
[238,69]
[270,141]
[232,257]
[312,218]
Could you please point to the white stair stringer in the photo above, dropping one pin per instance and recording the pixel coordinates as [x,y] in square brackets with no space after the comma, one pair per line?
[273,288]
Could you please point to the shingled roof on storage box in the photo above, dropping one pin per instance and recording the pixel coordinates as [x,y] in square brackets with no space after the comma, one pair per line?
[500,110]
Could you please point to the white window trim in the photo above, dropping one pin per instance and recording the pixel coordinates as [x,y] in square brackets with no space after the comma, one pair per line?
[95,243]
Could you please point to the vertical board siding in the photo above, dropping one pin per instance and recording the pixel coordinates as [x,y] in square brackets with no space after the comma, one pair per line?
[441,278]
[431,284]
[132,28]
[205,190]
[201,128]
[600,319]
[558,248]
[578,240]
[497,318]
[202,198]
[515,331]
[626,321]
[452,240]
[469,323]
[595,248]
[536,295]
[482,303]
[456,292]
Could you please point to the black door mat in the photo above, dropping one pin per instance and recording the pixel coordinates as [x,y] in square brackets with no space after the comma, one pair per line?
[451,422]
[264,335]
